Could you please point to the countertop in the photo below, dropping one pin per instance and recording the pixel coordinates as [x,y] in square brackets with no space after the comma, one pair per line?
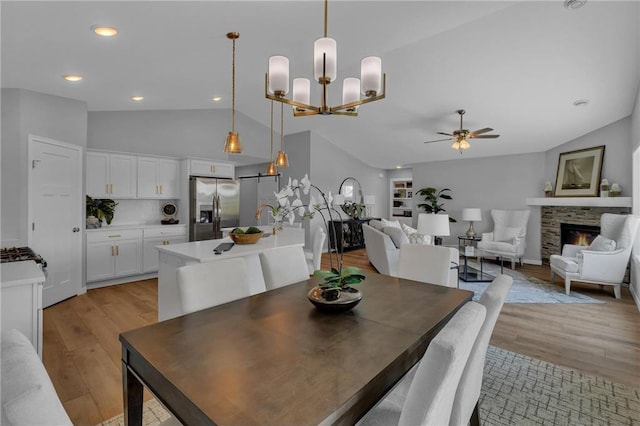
[202,251]
[20,273]
[134,226]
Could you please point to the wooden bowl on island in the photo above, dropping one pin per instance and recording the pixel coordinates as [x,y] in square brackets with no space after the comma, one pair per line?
[246,238]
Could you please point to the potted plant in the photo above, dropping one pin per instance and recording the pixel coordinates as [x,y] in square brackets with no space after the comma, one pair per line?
[432,196]
[100,209]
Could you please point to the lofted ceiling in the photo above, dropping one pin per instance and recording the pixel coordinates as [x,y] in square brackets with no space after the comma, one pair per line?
[514,66]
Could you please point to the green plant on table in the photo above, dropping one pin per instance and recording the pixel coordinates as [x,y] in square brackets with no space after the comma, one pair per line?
[102,208]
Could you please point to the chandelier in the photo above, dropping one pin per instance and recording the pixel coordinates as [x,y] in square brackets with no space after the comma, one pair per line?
[371,83]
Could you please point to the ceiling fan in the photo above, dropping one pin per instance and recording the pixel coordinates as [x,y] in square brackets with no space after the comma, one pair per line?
[461,136]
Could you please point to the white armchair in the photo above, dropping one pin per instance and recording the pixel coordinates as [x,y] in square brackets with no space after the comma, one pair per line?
[508,239]
[599,264]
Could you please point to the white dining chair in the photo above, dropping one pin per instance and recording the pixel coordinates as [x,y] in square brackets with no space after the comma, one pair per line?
[429,264]
[430,395]
[283,266]
[203,285]
[465,406]
[313,257]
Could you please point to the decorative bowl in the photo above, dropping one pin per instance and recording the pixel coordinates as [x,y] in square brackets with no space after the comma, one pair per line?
[246,238]
[346,299]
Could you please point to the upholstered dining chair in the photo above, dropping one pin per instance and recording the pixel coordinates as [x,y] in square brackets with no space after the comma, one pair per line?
[605,261]
[430,396]
[429,264]
[465,405]
[283,266]
[203,285]
[314,256]
[509,236]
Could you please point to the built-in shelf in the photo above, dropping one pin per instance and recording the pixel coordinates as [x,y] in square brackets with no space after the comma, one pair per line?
[581,201]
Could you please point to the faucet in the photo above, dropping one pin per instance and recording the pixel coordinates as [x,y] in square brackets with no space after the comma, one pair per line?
[259,212]
[215,219]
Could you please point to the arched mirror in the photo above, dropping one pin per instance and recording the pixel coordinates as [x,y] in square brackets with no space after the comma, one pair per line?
[351,190]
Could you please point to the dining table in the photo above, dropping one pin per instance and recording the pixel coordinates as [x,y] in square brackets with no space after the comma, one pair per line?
[274,359]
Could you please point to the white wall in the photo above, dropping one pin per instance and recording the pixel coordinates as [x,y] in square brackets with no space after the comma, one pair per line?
[487,183]
[635,143]
[25,112]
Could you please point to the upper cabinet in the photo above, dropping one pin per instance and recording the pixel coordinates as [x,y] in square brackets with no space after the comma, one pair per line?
[210,168]
[158,178]
[111,175]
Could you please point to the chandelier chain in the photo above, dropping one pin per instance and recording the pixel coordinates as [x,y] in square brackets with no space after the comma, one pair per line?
[233,87]
[271,149]
[281,125]
[326,13]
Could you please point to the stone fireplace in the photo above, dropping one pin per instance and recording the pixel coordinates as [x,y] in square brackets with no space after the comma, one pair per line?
[552,218]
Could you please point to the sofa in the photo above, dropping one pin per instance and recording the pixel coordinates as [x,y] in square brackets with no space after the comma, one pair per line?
[27,396]
[383,249]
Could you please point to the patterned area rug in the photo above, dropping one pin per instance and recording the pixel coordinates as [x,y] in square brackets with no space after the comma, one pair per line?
[526,289]
[519,390]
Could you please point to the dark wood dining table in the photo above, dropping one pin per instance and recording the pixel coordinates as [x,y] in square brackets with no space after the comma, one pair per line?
[273,359]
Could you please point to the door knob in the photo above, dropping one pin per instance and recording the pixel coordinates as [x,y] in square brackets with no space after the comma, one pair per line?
[76,229]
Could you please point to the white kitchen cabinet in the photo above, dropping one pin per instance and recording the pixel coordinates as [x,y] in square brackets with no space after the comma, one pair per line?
[210,168]
[153,237]
[112,254]
[111,175]
[21,297]
[158,178]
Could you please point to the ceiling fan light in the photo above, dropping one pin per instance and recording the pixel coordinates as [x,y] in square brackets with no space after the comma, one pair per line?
[279,75]
[233,145]
[301,91]
[464,144]
[371,75]
[325,59]
[282,160]
[456,145]
[350,91]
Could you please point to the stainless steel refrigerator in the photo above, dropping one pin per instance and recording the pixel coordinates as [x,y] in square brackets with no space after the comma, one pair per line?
[214,203]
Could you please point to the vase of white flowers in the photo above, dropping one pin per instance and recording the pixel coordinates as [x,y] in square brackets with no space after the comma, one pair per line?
[335,292]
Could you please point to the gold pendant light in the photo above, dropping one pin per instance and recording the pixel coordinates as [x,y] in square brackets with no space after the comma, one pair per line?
[283,159]
[233,145]
[271,168]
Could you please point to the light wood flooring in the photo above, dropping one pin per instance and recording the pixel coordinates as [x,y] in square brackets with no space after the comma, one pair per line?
[82,351]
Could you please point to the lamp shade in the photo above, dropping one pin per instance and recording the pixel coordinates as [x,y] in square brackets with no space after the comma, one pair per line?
[371,75]
[325,59]
[279,75]
[472,214]
[369,200]
[350,90]
[301,90]
[433,224]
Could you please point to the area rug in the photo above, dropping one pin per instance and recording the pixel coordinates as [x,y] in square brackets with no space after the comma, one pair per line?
[526,289]
[519,390]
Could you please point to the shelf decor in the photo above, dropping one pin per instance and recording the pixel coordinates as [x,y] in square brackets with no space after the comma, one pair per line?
[579,172]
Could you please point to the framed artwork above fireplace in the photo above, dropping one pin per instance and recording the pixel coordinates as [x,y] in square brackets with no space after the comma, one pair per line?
[579,172]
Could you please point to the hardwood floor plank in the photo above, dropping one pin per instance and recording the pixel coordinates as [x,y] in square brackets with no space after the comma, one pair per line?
[600,339]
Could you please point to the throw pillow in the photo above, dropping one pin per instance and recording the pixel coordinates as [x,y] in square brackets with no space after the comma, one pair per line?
[377,224]
[408,230]
[397,235]
[417,238]
[506,233]
[392,223]
[601,243]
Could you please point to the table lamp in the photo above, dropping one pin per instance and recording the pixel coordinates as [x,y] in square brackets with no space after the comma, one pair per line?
[472,215]
[433,224]
[369,200]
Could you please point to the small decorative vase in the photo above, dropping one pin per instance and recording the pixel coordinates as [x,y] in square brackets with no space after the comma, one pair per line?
[334,299]
[277,227]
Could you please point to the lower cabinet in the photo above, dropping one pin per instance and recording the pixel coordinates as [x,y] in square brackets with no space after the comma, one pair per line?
[113,254]
[154,237]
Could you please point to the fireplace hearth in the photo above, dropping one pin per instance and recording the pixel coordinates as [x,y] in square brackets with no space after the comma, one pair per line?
[578,234]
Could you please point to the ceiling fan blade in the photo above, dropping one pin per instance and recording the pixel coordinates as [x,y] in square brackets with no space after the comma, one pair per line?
[484,136]
[485,130]
[446,134]
[439,140]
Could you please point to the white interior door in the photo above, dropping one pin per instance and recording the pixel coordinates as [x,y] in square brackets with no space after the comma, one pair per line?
[55,214]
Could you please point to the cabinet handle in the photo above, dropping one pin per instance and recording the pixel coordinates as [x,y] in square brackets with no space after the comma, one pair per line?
[160,189]
[212,167]
[113,250]
[111,188]
[117,251]
[115,236]
[107,189]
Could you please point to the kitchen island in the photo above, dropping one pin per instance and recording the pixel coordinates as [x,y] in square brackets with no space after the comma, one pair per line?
[176,255]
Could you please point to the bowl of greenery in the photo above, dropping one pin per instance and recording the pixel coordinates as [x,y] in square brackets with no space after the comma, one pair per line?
[251,235]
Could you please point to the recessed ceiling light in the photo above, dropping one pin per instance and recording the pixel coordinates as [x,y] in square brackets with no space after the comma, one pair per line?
[216,98]
[398,167]
[104,31]
[574,4]
[581,102]
[73,77]
[137,98]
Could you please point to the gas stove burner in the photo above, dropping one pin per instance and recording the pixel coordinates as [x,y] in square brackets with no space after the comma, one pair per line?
[17,254]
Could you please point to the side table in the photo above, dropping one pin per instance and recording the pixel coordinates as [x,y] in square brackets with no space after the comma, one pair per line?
[468,248]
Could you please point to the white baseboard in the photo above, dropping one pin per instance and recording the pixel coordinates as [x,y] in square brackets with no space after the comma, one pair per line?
[532,261]
[122,280]
[636,297]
